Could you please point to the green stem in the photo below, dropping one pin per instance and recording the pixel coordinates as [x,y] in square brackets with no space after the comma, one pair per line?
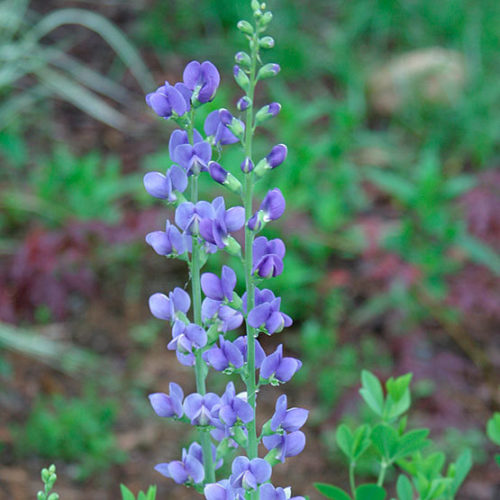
[352,481]
[200,367]
[381,476]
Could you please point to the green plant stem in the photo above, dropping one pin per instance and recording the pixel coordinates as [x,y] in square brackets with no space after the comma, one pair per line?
[381,476]
[200,368]
[252,448]
[352,481]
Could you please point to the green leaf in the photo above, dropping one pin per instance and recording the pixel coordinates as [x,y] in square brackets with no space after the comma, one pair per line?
[344,440]
[385,441]
[397,388]
[397,186]
[370,492]
[372,392]
[332,492]
[493,428]
[404,488]
[152,493]
[126,493]
[462,468]
[361,441]
[497,459]
[411,442]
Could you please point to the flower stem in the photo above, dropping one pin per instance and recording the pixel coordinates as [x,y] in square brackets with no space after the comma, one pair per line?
[352,481]
[200,367]
[381,476]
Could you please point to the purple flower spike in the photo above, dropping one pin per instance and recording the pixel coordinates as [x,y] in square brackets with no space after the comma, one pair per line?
[168,405]
[199,408]
[289,420]
[282,368]
[268,257]
[166,101]
[163,307]
[249,474]
[182,471]
[273,205]
[203,79]
[286,444]
[221,358]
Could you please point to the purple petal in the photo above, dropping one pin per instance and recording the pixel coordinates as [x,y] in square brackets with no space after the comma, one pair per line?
[186,94]
[196,335]
[212,121]
[275,322]
[228,281]
[203,151]
[157,185]
[269,365]
[260,469]
[287,369]
[176,100]
[160,104]
[184,156]
[234,218]
[258,315]
[233,354]
[160,242]
[181,300]
[216,358]
[178,177]
[244,410]
[209,308]
[160,307]
[162,404]
[211,286]
[192,405]
[177,138]
[195,469]
[277,247]
[280,412]
[215,491]
[296,442]
[163,469]
[295,418]
[191,74]
[240,465]
[273,205]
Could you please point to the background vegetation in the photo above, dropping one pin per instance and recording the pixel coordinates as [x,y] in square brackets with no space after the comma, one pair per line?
[390,113]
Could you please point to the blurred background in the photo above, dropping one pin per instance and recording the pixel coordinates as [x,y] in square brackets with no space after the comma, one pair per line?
[391,116]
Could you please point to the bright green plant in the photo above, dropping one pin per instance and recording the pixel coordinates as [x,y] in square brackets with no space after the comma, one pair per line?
[392,447]
[48,478]
[128,495]
[57,74]
[76,430]
[493,431]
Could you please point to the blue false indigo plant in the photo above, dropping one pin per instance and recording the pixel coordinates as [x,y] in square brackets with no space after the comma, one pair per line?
[227,421]
[49,478]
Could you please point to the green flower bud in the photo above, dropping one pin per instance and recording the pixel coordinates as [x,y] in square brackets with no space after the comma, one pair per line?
[53,496]
[266,42]
[271,457]
[40,496]
[239,437]
[241,78]
[268,71]
[266,18]
[243,59]
[233,247]
[213,334]
[245,27]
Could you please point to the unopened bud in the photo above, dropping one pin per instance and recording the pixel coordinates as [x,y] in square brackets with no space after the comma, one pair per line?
[266,112]
[232,247]
[243,59]
[246,165]
[266,18]
[266,42]
[268,71]
[241,78]
[245,27]
[222,176]
[243,103]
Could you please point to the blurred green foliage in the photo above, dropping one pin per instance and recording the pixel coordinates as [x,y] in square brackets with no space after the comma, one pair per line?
[77,430]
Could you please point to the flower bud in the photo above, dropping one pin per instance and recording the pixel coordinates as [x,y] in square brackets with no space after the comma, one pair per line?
[268,71]
[245,27]
[243,103]
[266,42]
[223,177]
[266,112]
[255,5]
[241,78]
[232,247]
[243,59]
[246,165]
[277,155]
[266,18]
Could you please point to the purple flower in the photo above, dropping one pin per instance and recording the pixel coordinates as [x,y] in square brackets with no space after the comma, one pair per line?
[203,79]
[233,407]
[194,159]
[222,176]
[185,337]
[289,420]
[218,130]
[168,405]
[246,165]
[272,207]
[267,112]
[219,288]
[164,186]
[286,444]
[260,355]
[221,358]
[266,312]
[163,307]
[269,492]
[188,215]
[169,241]
[182,471]
[278,154]
[249,474]
[166,101]
[199,408]
[215,227]
[267,257]
[282,368]
[180,138]
[223,491]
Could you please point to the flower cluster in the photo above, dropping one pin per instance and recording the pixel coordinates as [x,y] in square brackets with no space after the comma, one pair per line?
[226,421]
